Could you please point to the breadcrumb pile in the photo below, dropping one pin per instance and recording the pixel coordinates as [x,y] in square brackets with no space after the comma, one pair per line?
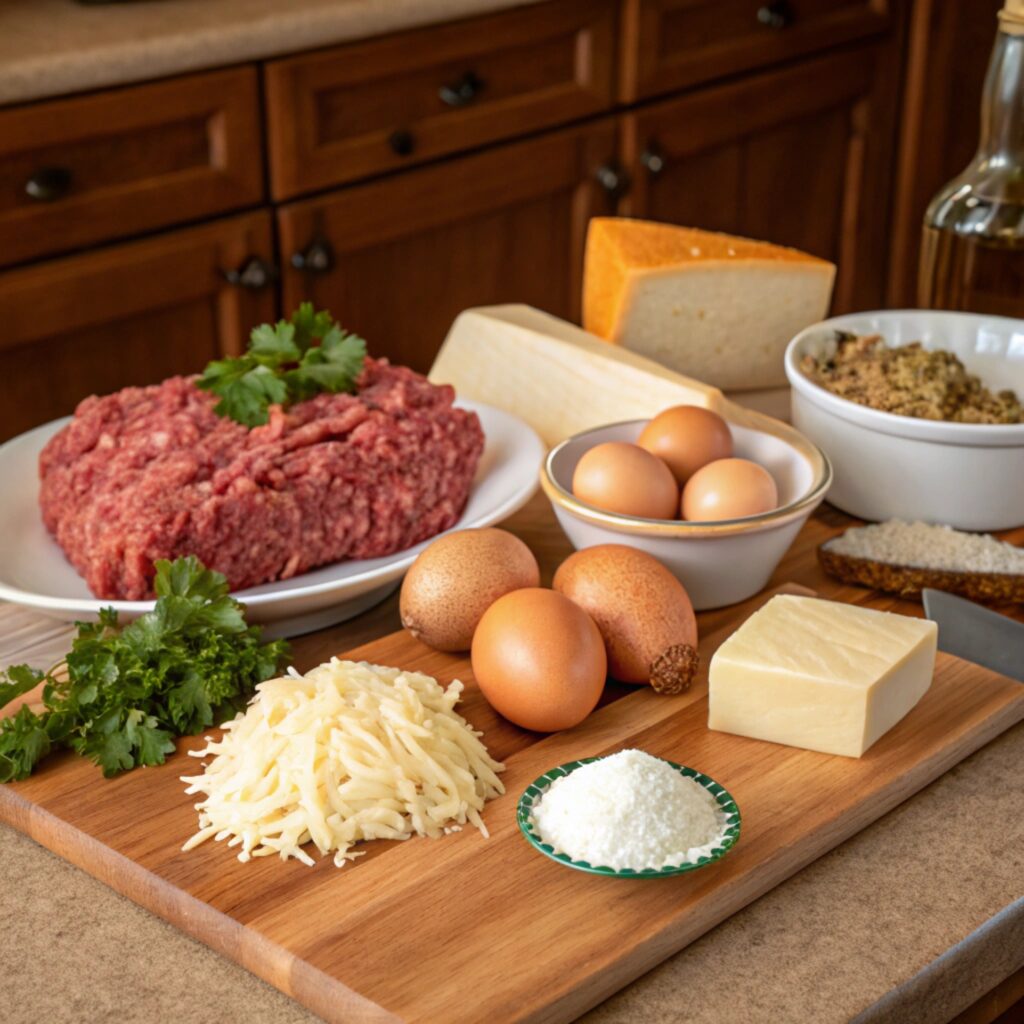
[909,380]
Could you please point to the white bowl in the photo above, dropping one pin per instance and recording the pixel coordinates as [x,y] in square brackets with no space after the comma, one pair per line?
[886,466]
[719,563]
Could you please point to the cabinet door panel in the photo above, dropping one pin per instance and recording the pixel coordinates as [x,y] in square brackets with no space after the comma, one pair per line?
[800,157]
[131,314]
[780,155]
[683,194]
[410,253]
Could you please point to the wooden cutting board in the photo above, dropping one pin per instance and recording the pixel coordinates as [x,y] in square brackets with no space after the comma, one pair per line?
[472,929]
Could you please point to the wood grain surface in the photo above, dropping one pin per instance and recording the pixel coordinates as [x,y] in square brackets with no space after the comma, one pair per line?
[469,929]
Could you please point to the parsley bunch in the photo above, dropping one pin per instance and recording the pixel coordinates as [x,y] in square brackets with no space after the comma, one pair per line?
[284,365]
[123,694]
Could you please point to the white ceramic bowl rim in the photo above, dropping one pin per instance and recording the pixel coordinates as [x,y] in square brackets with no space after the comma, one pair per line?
[939,431]
[678,527]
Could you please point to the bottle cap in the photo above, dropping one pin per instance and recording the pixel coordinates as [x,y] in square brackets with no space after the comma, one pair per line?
[1011,17]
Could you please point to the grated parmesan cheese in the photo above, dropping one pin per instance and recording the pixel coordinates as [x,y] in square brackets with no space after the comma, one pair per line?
[349,751]
[926,546]
[629,810]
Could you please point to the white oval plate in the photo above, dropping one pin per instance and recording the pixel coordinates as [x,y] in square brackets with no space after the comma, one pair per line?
[34,572]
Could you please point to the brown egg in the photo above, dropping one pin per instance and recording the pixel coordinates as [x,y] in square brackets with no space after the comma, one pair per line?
[539,660]
[623,478]
[457,578]
[687,437]
[642,610]
[729,489]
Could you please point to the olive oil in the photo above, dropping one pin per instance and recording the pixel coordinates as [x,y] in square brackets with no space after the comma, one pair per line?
[970,273]
[972,250]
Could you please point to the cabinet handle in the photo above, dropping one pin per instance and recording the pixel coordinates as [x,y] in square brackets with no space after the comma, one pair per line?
[461,92]
[253,274]
[402,142]
[652,160]
[776,14]
[612,178]
[316,258]
[48,184]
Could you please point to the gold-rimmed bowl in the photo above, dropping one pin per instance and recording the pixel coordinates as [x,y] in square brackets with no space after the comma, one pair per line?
[719,563]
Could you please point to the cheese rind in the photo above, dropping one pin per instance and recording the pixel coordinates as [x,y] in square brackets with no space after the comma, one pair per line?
[716,307]
[820,675]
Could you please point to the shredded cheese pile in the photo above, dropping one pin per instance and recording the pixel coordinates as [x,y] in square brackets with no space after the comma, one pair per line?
[347,752]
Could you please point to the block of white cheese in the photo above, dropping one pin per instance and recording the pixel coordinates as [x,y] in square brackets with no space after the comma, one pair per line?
[820,675]
[716,307]
[555,376]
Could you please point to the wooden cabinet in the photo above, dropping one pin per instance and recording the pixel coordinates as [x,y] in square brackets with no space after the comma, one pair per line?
[671,44]
[402,257]
[131,314]
[400,179]
[391,103]
[93,168]
[799,156]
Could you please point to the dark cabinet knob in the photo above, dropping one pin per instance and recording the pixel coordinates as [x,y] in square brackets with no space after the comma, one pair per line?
[253,274]
[461,92]
[612,178]
[776,14]
[316,258]
[652,160]
[49,183]
[401,142]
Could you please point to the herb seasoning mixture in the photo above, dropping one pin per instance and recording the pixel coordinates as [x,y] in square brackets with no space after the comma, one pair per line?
[910,381]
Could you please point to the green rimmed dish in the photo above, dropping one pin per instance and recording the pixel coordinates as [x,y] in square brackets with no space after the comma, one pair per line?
[535,791]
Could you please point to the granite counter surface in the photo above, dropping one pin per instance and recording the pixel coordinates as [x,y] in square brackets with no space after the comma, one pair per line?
[52,47]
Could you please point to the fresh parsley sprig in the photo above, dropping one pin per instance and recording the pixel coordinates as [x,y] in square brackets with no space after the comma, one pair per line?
[285,364]
[123,693]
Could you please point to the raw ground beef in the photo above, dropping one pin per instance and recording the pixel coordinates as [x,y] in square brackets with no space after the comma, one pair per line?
[150,473]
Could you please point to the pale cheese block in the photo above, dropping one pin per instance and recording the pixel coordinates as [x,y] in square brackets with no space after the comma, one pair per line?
[820,675]
[713,306]
[558,378]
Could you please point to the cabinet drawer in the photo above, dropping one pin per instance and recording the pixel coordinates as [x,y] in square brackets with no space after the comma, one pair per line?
[668,44]
[357,110]
[88,169]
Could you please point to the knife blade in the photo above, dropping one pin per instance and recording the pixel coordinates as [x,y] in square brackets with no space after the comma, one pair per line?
[976,633]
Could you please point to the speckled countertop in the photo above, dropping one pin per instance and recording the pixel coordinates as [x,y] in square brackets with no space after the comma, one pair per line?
[51,47]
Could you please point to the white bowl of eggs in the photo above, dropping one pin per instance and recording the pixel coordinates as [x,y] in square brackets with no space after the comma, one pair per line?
[716,499]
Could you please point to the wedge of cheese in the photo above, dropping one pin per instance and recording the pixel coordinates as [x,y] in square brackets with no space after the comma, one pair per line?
[820,675]
[715,307]
[558,378]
